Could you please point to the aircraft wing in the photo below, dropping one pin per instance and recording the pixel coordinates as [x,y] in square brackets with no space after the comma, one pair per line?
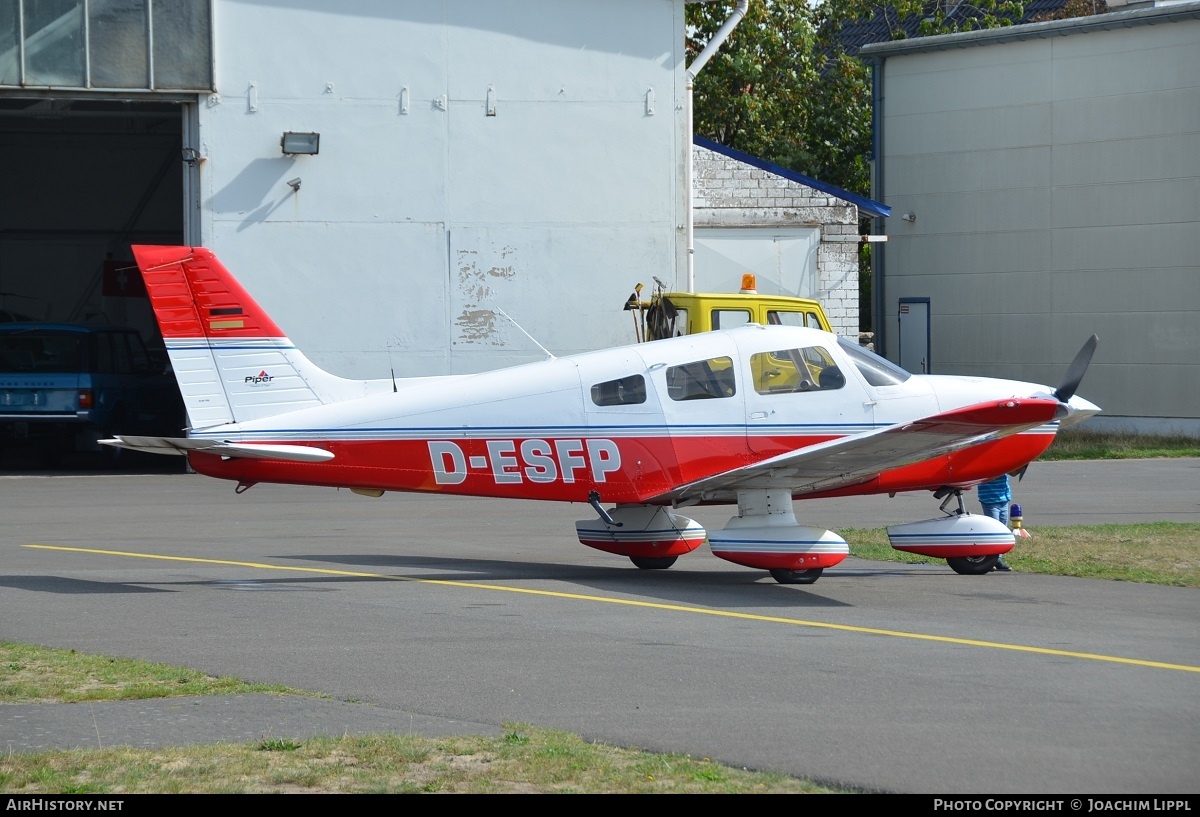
[180,446]
[859,458]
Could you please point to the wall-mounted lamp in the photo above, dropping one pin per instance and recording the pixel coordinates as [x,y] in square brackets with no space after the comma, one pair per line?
[909,217]
[294,184]
[191,155]
[300,144]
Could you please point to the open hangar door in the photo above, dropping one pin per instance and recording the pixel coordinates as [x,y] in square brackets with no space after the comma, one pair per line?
[82,180]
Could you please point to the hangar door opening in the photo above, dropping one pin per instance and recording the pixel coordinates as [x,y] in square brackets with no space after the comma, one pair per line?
[82,181]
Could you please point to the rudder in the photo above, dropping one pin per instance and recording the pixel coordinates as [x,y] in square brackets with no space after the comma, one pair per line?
[231,361]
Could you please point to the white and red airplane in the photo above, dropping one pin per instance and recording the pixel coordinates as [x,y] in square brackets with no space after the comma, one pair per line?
[754,416]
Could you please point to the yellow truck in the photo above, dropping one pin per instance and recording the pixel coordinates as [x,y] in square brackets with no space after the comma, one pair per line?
[669,314]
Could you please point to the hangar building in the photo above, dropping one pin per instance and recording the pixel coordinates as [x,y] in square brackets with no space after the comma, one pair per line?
[1045,185]
[389,178]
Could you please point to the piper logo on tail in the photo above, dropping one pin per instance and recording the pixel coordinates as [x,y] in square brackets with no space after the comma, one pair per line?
[261,377]
[516,461]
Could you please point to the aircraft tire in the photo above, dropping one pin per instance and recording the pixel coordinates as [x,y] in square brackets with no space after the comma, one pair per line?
[972,565]
[653,562]
[785,576]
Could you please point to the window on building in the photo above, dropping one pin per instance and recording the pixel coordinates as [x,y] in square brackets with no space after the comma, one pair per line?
[107,44]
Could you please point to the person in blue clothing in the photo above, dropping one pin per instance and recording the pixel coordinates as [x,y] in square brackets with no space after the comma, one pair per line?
[994,497]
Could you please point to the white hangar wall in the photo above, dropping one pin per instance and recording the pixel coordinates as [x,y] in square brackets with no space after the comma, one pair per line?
[475,156]
[1054,176]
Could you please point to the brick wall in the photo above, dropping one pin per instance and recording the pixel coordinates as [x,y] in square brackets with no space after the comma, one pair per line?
[729,193]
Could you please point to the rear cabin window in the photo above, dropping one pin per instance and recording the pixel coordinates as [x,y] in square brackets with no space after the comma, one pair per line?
[795,370]
[702,380]
[623,392]
[42,352]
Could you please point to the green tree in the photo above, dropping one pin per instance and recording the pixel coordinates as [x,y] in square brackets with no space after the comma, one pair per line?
[786,87]
[755,95]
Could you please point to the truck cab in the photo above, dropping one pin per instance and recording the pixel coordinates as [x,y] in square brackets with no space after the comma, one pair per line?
[670,314]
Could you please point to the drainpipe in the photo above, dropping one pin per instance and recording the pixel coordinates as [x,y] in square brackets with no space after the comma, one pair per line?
[692,70]
[878,262]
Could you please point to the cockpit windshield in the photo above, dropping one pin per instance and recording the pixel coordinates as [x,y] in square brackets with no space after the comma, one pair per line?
[876,370]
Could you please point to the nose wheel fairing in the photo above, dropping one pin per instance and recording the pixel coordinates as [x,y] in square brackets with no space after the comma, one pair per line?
[952,537]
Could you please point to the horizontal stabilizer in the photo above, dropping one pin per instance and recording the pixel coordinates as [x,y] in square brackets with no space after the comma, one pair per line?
[180,446]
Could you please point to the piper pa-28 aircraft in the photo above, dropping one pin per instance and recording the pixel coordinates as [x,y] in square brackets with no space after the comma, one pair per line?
[754,416]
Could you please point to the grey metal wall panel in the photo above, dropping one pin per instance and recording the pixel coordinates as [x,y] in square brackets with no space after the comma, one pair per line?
[962,171]
[1126,203]
[1129,247]
[974,130]
[1167,156]
[1174,111]
[991,78]
[1127,61]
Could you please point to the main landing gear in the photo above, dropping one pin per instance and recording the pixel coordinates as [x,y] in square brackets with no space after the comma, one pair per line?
[972,565]
[764,535]
[785,576]
[653,562]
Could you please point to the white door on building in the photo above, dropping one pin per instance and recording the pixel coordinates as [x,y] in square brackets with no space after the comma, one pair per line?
[783,259]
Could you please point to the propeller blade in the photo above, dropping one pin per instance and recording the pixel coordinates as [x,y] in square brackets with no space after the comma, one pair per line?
[1075,373]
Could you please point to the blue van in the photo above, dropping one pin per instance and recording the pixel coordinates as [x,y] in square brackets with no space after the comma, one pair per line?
[70,385]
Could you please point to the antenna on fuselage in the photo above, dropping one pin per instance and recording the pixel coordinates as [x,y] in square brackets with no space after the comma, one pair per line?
[549,354]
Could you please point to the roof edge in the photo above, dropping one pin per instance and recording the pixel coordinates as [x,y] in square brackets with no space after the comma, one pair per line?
[1169,13]
[864,204]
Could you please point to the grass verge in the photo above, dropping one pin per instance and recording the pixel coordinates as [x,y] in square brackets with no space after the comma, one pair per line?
[1079,444]
[525,759]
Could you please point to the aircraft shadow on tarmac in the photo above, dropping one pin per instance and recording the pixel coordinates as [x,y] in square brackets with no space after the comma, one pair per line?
[678,585]
[73,587]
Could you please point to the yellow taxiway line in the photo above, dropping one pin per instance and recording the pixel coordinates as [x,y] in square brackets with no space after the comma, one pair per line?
[678,608]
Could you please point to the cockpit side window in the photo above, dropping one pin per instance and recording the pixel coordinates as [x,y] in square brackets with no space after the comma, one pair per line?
[624,391]
[795,370]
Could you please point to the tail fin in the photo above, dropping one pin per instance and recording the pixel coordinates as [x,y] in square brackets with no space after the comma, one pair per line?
[232,363]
